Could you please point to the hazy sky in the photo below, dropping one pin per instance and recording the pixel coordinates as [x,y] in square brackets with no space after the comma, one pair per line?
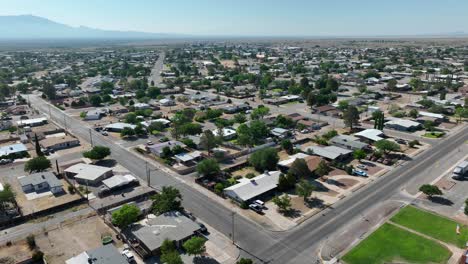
[255,17]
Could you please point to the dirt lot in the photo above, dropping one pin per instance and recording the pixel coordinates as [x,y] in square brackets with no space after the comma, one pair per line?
[18,251]
[244,171]
[41,203]
[73,238]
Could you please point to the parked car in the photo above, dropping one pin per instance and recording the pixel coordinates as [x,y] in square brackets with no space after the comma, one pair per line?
[203,228]
[360,173]
[5,161]
[305,131]
[104,133]
[128,254]
[261,203]
[400,141]
[362,167]
[256,208]
[149,143]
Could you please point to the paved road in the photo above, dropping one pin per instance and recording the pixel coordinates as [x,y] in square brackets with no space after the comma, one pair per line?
[295,246]
[155,75]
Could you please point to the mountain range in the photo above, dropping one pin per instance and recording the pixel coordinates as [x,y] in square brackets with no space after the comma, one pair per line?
[34,27]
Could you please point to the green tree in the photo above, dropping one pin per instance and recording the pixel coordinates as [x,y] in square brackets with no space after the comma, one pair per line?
[351,116]
[208,141]
[139,130]
[172,257]
[169,199]
[131,118]
[38,146]
[244,261]
[391,85]
[264,159]
[49,90]
[413,113]
[387,146]
[125,216]
[97,153]
[7,197]
[343,105]
[95,100]
[240,118]
[208,167]
[359,154]
[430,190]
[37,164]
[260,112]
[287,145]
[283,202]
[195,246]
[304,189]
[322,168]
[127,132]
[300,169]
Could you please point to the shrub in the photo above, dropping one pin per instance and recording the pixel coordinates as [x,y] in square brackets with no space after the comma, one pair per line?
[38,256]
[250,175]
[244,205]
[218,188]
[31,240]
[71,189]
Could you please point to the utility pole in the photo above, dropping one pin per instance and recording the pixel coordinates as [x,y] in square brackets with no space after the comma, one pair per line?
[91,138]
[65,121]
[147,173]
[50,113]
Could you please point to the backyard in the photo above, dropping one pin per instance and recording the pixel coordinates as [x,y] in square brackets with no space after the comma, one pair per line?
[390,243]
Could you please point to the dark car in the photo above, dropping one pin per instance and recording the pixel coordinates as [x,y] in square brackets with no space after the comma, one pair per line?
[256,208]
[203,228]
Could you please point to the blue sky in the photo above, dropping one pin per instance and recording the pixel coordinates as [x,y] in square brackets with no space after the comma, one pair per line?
[255,17]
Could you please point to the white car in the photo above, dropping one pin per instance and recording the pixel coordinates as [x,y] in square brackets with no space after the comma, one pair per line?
[259,202]
[128,255]
[362,167]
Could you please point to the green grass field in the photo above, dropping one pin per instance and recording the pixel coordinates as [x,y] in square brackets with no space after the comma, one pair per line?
[391,243]
[432,225]
[434,134]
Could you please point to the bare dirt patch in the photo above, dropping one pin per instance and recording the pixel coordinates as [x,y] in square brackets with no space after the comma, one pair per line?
[72,238]
[18,251]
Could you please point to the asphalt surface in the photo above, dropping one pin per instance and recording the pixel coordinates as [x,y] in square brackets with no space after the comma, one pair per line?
[155,75]
[298,245]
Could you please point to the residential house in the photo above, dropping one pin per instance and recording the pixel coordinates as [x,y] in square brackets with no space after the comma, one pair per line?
[167,102]
[403,124]
[329,152]
[118,127]
[18,149]
[249,189]
[370,135]
[188,158]
[32,122]
[280,132]
[88,174]
[57,143]
[41,182]
[347,142]
[328,110]
[157,149]
[94,115]
[151,232]
[227,133]
[107,254]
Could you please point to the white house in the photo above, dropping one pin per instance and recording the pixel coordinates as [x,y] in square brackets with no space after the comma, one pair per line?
[248,189]
[41,182]
[228,133]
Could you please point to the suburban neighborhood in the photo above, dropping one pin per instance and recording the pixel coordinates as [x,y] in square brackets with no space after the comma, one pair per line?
[235,151]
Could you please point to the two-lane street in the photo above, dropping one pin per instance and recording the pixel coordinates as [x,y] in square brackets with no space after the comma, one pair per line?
[295,246]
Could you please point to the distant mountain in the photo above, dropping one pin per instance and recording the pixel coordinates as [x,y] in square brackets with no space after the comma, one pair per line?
[34,27]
